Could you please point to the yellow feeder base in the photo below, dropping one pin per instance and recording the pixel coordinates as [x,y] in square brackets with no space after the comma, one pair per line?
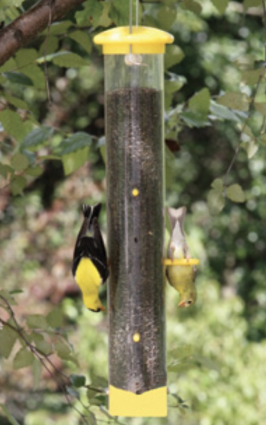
[152,403]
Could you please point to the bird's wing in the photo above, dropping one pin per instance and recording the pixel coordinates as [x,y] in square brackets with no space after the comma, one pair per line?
[89,248]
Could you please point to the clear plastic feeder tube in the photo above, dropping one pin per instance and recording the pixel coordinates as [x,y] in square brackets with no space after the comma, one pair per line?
[135,194]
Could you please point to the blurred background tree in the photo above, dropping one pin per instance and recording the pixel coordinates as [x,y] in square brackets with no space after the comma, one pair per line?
[52,161]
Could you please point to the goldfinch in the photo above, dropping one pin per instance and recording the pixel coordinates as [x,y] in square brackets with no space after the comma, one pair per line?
[89,261]
[182,278]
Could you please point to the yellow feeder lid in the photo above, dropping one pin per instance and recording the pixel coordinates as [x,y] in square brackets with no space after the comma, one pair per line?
[120,41]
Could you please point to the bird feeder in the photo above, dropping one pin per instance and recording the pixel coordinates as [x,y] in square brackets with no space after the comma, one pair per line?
[134,109]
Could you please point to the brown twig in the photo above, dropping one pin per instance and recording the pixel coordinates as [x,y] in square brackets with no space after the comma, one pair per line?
[63,379]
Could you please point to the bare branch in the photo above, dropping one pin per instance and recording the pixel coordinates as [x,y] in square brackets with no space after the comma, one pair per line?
[31,23]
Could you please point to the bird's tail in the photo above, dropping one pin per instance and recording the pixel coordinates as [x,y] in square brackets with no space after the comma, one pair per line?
[90,212]
[177,215]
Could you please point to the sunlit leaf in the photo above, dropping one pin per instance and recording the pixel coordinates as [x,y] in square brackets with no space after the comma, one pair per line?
[223,112]
[192,5]
[23,358]
[74,160]
[36,321]
[55,318]
[91,13]
[200,103]
[251,3]
[69,60]
[234,100]
[194,119]
[105,20]
[216,201]
[220,5]
[252,77]
[218,184]
[235,193]
[19,162]
[58,28]
[260,107]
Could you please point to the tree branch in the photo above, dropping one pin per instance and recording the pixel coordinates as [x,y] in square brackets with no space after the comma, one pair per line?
[27,26]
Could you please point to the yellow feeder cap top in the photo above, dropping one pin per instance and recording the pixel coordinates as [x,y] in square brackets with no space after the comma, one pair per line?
[118,41]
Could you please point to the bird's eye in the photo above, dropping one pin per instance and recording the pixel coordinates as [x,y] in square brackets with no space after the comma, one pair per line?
[189,302]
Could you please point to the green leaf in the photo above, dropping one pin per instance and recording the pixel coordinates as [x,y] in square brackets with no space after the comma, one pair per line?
[83,39]
[8,66]
[12,123]
[200,103]
[216,201]
[105,20]
[63,350]
[34,171]
[251,147]
[37,138]
[193,6]
[91,418]
[18,78]
[262,139]
[36,372]
[55,318]
[173,55]
[15,101]
[36,321]
[59,28]
[74,160]
[235,193]
[68,60]
[166,16]
[9,416]
[223,112]
[5,170]
[260,107]
[8,338]
[77,380]
[25,57]
[220,5]
[49,46]
[251,3]
[18,183]
[119,11]
[218,185]
[19,162]
[23,358]
[171,86]
[91,13]
[182,352]
[252,77]
[75,142]
[234,100]
[194,119]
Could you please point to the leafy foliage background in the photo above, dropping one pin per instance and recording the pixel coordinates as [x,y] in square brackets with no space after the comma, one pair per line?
[52,161]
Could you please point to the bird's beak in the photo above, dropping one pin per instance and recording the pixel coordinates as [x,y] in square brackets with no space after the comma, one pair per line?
[182,304]
[102,308]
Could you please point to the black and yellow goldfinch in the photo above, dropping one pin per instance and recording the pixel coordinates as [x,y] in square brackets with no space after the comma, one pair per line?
[182,278]
[89,261]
